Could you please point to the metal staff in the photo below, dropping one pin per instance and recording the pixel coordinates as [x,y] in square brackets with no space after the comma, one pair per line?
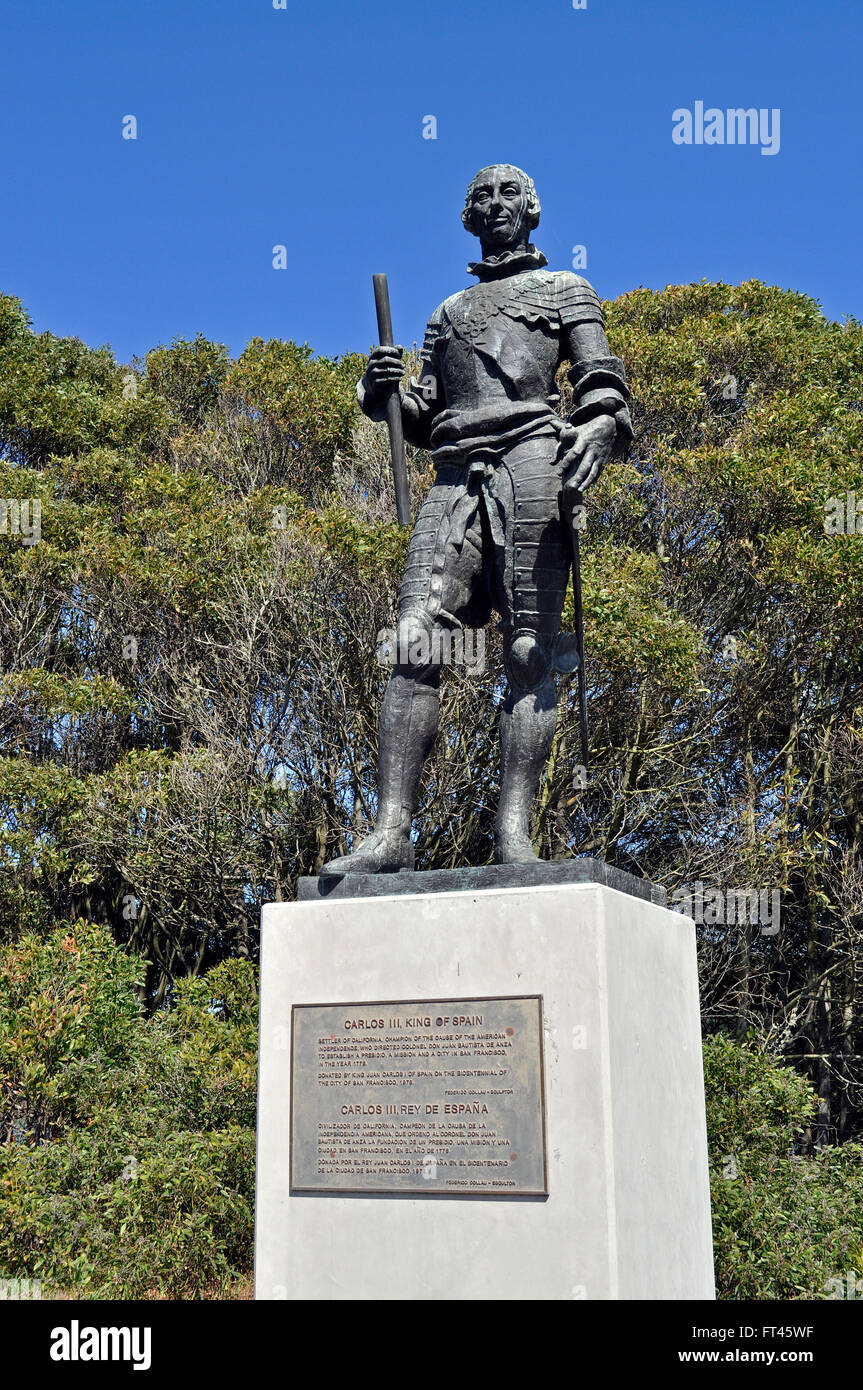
[394,410]
[578,616]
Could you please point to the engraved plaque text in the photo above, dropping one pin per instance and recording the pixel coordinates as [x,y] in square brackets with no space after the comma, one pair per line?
[422,1096]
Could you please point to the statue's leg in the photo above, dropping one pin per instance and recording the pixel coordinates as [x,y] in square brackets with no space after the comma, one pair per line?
[408,725]
[532,579]
[443,564]
[527,725]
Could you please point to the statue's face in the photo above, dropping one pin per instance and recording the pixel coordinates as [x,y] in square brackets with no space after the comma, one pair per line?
[497,205]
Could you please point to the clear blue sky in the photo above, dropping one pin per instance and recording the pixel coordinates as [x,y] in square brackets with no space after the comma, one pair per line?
[303,127]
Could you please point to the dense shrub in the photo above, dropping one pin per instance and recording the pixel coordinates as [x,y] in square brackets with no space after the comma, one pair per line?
[785,1225]
[127,1167]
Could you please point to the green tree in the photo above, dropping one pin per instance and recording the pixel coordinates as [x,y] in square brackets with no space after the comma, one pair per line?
[785,1225]
[126,1142]
[189,689]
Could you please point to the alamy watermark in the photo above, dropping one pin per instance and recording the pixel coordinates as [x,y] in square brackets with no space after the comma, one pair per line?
[849,1287]
[21,518]
[20,1288]
[439,647]
[77,1343]
[715,906]
[843,515]
[734,126]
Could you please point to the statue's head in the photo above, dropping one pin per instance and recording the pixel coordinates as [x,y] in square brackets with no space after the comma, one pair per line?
[501,206]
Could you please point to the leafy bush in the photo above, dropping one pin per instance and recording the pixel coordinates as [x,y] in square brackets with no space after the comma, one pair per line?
[784,1225]
[127,1142]
[189,375]
[128,1163]
[188,711]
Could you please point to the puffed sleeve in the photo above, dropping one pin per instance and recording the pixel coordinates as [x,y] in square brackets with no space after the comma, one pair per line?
[598,379]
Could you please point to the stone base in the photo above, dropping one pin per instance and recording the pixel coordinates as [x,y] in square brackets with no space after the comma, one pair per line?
[628,1210]
[540,874]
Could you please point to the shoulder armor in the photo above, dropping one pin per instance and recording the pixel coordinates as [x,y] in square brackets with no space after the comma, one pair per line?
[532,297]
[577,300]
[558,298]
[570,279]
[433,332]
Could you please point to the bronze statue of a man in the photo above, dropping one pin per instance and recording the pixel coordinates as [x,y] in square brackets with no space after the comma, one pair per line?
[494,532]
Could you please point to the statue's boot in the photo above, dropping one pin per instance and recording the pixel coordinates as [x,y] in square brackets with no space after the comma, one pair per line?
[409,721]
[527,726]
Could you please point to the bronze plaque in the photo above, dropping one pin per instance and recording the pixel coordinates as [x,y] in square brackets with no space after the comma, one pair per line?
[419,1096]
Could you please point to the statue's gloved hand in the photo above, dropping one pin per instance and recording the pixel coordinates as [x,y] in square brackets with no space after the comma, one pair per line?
[383,372]
[584,450]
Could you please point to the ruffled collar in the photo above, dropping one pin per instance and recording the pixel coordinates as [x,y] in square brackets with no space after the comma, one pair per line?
[508,263]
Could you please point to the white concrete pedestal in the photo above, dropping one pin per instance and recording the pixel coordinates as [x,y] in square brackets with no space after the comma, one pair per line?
[628,1210]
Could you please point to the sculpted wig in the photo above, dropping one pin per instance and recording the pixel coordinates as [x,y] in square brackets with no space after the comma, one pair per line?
[531,209]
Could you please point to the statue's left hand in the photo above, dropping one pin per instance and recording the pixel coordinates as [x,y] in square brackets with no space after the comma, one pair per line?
[584,450]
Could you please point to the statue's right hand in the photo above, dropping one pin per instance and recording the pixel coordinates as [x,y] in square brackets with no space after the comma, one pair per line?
[384,370]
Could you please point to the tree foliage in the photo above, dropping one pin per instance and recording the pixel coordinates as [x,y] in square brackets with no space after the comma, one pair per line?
[785,1224]
[189,685]
[126,1143]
